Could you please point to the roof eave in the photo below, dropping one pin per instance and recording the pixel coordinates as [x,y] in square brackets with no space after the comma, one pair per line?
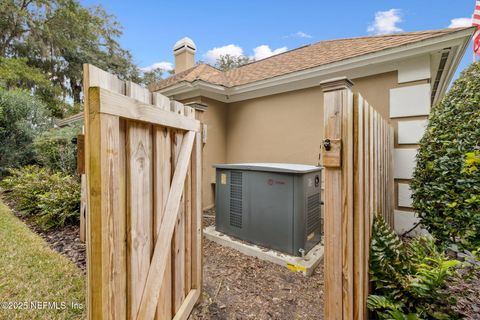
[459,38]
[453,65]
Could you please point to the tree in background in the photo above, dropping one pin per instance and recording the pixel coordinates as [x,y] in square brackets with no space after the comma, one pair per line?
[58,36]
[152,76]
[446,181]
[15,73]
[227,62]
[22,118]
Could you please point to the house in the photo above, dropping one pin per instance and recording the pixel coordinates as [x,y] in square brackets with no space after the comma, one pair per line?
[271,110]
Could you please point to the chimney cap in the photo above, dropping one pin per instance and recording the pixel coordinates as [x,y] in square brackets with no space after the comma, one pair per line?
[185,44]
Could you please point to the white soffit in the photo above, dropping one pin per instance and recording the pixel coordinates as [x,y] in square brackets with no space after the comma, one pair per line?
[404,163]
[410,132]
[410,101]
[414,69]
[404,195]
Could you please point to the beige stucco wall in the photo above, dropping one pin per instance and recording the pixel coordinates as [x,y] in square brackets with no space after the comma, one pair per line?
[284,127]
[214,151]
[288,127]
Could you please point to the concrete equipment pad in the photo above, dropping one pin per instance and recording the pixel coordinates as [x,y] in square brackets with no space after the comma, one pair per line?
[305,265]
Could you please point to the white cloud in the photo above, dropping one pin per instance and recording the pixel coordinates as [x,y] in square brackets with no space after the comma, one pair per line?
[386,22]
[164,65]
[299,34]
[460,22]
[264,51]
[212,55]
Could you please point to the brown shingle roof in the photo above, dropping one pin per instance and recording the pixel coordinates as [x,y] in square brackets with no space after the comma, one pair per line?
[310,56]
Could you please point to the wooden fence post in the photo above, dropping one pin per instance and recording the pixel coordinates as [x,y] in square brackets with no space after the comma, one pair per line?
[357,156]
[337,158]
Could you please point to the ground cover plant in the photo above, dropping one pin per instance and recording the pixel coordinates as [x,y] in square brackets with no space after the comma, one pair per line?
[409,278]
[50,199]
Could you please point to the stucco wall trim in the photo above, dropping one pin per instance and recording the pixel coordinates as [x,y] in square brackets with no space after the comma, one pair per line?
[404,163]
[414,69]
[410,101]
[404,195]
[410,132]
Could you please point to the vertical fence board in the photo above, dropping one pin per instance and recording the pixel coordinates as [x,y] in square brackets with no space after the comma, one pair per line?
[178,244]
[140,210]
[197,211]
[162,180]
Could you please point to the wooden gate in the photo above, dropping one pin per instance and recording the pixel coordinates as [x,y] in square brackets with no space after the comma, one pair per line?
[143,168]
[358,161]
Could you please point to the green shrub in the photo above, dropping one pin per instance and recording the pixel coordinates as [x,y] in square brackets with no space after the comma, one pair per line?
[50,199]
[55,150]
[22,117]
[446,194]
[408,278]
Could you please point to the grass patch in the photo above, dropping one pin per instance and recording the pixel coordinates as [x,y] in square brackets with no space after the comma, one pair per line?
[32,274]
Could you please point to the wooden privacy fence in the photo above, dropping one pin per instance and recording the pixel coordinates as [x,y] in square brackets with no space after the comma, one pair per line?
[143,169]
[357,155]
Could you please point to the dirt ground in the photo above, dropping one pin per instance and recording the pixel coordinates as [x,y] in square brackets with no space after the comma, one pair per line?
[236,286]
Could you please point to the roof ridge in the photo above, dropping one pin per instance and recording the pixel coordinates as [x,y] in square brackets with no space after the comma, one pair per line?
[405,33]
[310,55]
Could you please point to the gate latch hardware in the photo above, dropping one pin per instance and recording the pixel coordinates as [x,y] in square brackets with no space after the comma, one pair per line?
[327,144]
[331,153]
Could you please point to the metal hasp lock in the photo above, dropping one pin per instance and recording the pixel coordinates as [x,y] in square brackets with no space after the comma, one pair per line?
[331,153]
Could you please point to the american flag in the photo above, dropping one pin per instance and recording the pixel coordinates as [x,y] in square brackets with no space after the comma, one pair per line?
[476,22]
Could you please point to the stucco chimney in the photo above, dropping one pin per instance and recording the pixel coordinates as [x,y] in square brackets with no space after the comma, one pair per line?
[184,52]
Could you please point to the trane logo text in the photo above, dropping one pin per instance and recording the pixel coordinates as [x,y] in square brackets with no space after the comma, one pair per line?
[271,182]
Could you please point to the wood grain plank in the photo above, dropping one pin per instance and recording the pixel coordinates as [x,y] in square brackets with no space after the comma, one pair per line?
[178,244]
[133,109]
[162,180]
[189,113]
[359,213]
[347,200]
[105,219]
[197,212]
[157,268]
[140,210]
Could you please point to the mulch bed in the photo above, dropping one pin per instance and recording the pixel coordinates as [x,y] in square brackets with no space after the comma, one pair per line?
[65,240]
[236,286]
[465,286]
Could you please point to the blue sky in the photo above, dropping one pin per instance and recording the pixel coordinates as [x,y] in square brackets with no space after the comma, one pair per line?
[152,27]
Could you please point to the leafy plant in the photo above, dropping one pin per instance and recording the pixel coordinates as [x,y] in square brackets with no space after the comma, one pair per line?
[55,150]
[50,199]
[408,278]
[446,181]
[22,118]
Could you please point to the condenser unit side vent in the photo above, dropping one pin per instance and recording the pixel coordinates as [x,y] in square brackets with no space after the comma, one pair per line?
[313,213]
[236,199]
